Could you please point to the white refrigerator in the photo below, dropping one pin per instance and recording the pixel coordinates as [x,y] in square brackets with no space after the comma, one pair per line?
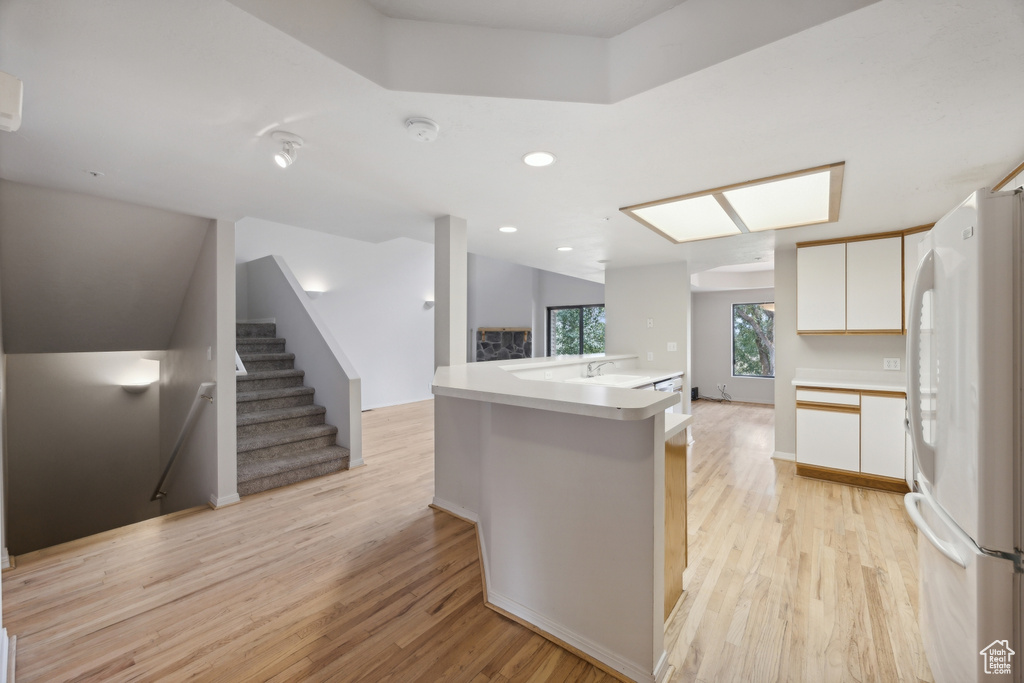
[964,342]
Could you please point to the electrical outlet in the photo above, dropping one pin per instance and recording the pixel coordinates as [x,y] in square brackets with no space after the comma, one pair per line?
[672,346]
[650,322]
[548,374]
[650,355]
[890,363]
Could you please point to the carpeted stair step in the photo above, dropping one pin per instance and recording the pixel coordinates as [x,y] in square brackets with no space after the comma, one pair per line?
[269,379]
[272,399]
[274,444]
[279,420]
[258,362]
[255,330]
[261,475]
[259,345]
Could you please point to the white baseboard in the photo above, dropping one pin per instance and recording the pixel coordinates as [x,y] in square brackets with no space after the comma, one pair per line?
[630,669]
[664,670]
[258,320]
[216,503]
[6,658]
[352,464]
[5,559]
[457,510]
[782,455]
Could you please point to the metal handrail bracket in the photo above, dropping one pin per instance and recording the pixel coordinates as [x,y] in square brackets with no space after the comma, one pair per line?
[205,393]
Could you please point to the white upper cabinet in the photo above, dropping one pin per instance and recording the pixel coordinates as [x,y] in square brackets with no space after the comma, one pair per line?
[874,285]
[821,288]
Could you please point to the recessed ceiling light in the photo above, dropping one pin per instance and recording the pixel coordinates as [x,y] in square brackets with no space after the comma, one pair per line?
[507,228]
[789,200]
[539,159]
[565,249]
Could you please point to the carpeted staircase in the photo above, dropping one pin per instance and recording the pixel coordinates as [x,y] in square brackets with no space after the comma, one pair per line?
[283,437]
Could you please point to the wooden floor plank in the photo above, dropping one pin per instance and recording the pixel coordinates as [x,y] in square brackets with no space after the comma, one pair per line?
[351,577]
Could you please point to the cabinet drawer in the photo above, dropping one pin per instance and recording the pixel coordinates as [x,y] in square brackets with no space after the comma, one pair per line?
[827,438]
[838,398]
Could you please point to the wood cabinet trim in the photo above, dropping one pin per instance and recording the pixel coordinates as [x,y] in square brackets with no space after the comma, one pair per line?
[1013,174]
[871,481]
[827,407]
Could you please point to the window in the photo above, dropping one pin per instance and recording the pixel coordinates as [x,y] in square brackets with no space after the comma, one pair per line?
[753,340]
[575,329]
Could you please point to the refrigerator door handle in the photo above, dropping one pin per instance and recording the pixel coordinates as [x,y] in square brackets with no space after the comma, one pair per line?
[910,501]
[924,281]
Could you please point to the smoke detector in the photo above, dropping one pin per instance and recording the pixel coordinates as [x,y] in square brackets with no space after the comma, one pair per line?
[422,129]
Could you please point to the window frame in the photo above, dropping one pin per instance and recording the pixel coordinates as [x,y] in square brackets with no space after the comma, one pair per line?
[547,325]
[732,336]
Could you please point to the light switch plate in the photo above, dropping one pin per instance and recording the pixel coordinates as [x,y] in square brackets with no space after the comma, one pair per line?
[890,363]
[650,355]
[672,346]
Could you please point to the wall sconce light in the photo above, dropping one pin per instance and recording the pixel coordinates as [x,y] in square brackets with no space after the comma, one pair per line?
[314,294]
[428,304]
[290,144]
[140,376]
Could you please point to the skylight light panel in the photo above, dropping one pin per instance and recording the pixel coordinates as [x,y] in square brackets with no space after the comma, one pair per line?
[685,220]
[803,200]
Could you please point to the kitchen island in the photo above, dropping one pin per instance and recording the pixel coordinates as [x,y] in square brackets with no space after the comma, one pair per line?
[565,479]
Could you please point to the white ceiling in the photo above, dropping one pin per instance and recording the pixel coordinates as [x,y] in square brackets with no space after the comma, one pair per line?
[173,102]
[596,18]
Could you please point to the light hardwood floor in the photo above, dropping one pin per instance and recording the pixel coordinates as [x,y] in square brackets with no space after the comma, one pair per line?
[351,577]
[790,579]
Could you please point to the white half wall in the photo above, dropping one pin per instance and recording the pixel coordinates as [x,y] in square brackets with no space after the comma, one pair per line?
[373,302]
[712,346]
[830,352]
[275,294]
[83,454]
[202,349]
[661,294]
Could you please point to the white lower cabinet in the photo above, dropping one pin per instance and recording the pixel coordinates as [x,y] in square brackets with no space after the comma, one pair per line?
[827,438]
[852,432]
[882,436]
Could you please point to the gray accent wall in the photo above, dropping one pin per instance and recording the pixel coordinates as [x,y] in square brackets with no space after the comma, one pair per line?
[712,346]
[83,273]
[83,454]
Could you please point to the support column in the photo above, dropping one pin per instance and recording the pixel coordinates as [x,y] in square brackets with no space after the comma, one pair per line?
[450,291]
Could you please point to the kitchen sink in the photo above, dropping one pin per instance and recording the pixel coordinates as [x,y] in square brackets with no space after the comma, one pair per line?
[610,380]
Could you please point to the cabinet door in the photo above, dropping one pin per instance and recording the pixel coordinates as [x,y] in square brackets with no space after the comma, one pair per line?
[828,438]
[882,436]
[821,288]
[874,285]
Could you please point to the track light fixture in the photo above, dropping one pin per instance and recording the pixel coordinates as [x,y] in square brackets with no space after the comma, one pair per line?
[290,144]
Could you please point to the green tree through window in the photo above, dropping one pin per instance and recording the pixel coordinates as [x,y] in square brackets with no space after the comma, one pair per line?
[575,329]
[753,340]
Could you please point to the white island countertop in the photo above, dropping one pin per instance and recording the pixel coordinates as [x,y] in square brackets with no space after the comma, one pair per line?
[540,383]
[862,380]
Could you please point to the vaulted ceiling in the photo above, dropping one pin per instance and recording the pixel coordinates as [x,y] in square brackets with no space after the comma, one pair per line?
[174,102]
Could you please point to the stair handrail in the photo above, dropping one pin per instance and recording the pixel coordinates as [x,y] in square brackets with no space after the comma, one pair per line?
[186,429]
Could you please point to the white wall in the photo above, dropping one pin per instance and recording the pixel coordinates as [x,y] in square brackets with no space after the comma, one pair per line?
[662,293]
[373,305]
[792,351]
[205,471]
[712,346]
[503,294]
[82,452]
